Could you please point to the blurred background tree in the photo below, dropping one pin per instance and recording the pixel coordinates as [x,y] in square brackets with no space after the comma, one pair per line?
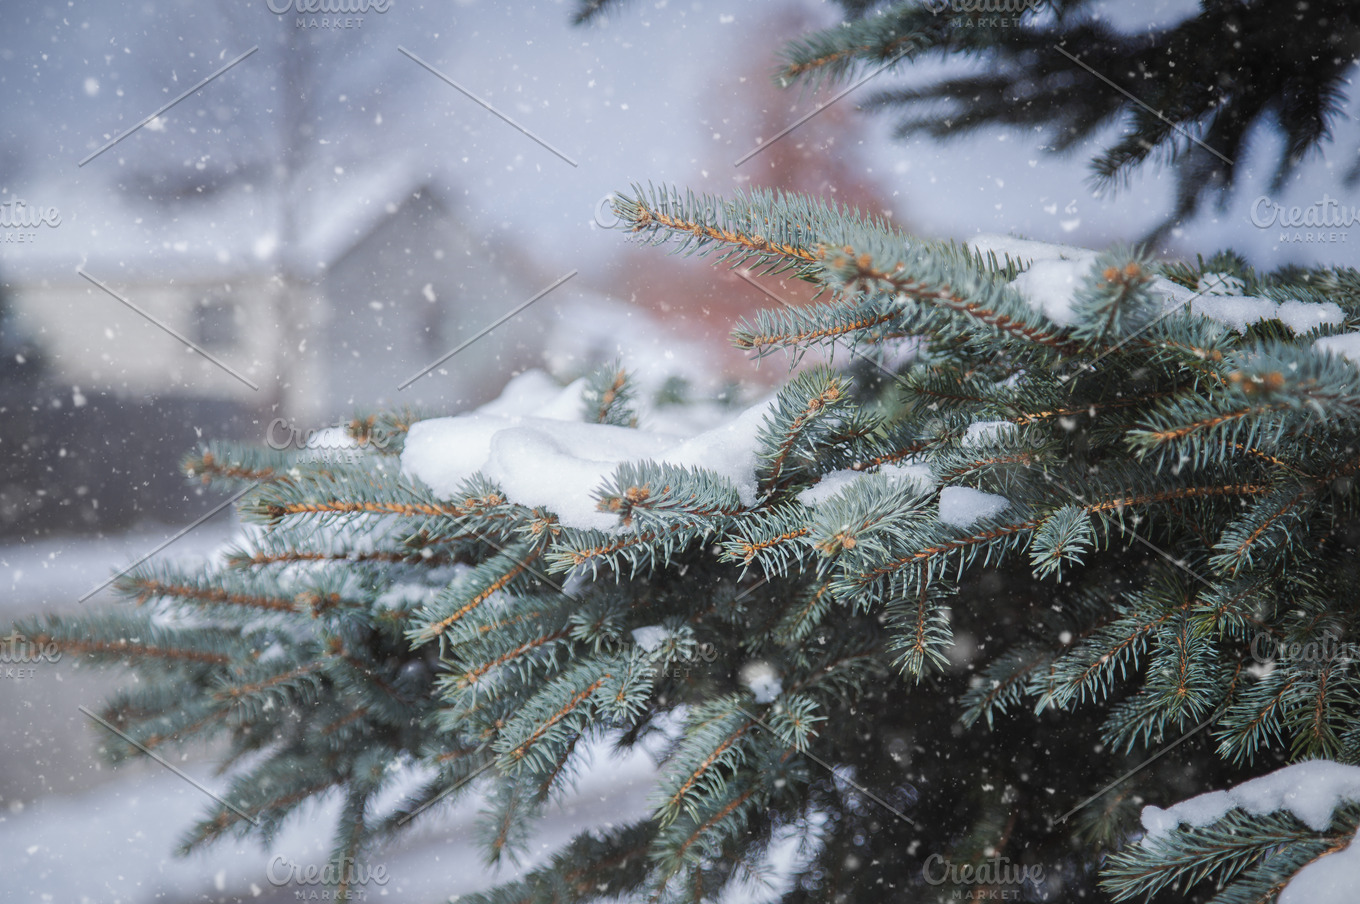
[1190,92]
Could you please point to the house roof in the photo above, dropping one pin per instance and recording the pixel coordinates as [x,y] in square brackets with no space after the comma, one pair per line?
[234,232]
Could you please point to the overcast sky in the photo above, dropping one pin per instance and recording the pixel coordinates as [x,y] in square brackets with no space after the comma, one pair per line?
[648,95]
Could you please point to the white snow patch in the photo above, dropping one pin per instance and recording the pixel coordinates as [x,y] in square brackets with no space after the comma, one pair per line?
[986,431]
[536,461]
[536,394]
[729,450]
[530,393]
[1029,250]
[137,816]
[1329,880]
[546,460]
[1054,272]
[1302,316]
[918,474]
[763,681]
[1240,311]
[649,637]
[1347,345]
[1220,284]
[1050,287]
[567,405]
[1310,790]
[407,595]
[911,476]
[963,506]
[829,486]
[331,438]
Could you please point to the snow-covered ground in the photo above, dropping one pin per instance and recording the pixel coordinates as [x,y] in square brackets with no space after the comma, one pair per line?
[53,573]
[74,830]
[112,845]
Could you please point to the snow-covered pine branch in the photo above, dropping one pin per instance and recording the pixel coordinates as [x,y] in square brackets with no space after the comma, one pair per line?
[1092,486]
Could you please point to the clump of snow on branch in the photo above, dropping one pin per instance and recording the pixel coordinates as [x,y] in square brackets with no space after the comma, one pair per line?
[1328,880]
[531,443]
[980,432]
[910,477]
[1346,344]
[762,680]
[651,637]
[1055,272]
[1311,791]
[594,329]
[965,506]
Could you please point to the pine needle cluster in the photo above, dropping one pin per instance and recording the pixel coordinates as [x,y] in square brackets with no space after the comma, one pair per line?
[981,584]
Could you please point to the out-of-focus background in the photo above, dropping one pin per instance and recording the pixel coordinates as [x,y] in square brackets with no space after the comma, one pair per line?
[340,208]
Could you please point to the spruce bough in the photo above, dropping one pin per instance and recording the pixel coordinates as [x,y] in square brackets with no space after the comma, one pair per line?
[977,582]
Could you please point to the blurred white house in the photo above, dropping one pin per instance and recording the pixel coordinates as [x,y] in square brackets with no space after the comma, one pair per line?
[326,304]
